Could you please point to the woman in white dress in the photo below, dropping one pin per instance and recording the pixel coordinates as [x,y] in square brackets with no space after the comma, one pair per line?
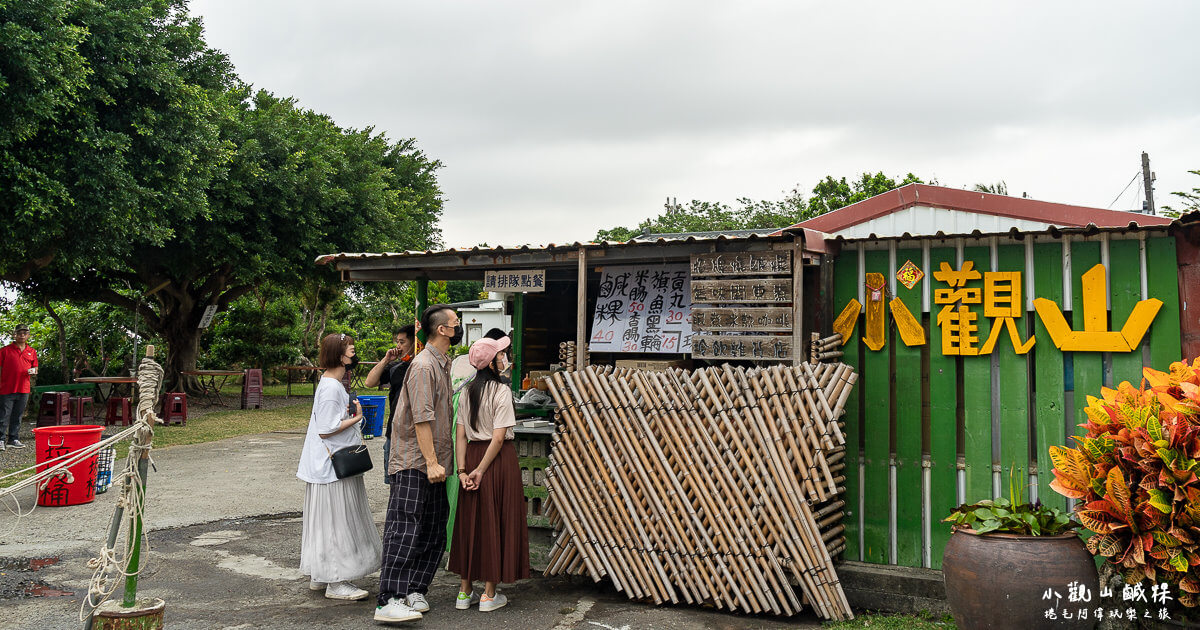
[340,541]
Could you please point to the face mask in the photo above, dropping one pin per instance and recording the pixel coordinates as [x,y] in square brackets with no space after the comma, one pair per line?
[353,363]
[506,370]
[458,335]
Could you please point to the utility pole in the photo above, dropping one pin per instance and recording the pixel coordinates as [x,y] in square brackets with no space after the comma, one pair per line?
[1148,181]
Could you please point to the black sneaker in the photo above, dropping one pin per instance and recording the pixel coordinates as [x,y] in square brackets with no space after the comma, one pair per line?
[15,444]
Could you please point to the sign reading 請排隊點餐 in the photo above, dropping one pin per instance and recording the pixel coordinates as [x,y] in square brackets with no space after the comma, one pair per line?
[515,281]
[643,308]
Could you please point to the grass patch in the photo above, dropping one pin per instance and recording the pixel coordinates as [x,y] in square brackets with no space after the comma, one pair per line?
[212,427]
[923,621]
[221,425]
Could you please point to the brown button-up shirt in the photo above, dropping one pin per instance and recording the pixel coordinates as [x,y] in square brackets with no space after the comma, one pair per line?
[424,398]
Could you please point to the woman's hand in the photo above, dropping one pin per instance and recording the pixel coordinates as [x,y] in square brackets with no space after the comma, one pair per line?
[476,476]
[357,408]
[466,482]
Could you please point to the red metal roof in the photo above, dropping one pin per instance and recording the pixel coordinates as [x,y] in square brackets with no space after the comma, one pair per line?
[1059,214]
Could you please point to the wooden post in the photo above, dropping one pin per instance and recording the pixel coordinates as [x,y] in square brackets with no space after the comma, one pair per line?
[797,300]
[422,304]
[581,312]
[518,342]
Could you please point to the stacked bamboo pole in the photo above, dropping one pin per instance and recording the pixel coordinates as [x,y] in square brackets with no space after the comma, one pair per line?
[716,486]
[567,353]
[824,349]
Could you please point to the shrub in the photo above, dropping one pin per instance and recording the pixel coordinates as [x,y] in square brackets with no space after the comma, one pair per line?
[1135,476]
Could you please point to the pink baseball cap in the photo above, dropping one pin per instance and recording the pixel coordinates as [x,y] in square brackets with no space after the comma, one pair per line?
[485,350]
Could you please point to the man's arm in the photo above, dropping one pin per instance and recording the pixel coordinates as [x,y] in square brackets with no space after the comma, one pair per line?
[419,391]
[376,372]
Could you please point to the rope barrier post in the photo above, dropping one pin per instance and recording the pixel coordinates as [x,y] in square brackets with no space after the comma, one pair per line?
[135,553]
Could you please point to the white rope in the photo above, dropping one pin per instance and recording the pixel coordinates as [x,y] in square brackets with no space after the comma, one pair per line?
[108,569]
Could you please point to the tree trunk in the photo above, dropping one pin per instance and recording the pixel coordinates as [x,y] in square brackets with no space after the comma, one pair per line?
[183,347]
[62,341]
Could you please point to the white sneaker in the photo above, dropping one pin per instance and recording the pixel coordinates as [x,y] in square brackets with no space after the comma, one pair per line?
[314,585]
[487,604]
[416,601]
[466,601]
[395,611]
[344,590]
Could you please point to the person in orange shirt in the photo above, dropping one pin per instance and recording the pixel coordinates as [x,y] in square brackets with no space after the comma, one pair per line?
[18,361]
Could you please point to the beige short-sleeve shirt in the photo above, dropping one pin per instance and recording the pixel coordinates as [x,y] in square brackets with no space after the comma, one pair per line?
[496,411]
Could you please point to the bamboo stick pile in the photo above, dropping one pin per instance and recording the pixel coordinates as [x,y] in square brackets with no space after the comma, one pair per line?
[716,486]
[566,355]
[824,349]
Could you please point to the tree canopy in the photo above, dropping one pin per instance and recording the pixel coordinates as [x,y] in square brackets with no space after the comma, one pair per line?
[142,173]
[1190,201]
[703,216]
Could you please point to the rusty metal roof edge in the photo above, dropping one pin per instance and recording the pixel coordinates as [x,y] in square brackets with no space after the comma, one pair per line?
[325,259]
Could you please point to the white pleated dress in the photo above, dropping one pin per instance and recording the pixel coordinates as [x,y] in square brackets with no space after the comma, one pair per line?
[339,541]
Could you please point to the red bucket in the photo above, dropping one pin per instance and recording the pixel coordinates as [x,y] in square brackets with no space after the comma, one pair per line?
[52,442]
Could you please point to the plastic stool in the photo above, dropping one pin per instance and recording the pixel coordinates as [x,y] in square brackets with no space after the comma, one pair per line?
[174,409]
[252,396]
[118,412]
[54,409]
[77,414]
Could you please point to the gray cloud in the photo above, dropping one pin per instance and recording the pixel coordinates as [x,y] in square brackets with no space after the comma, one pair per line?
[574,116]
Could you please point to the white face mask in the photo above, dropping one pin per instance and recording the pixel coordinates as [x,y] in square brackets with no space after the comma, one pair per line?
[504,365]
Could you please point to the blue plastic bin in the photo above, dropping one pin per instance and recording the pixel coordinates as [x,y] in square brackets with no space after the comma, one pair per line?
[374,408]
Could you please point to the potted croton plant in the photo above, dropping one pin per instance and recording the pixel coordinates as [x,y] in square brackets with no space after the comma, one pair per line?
[1134,477]
[1003,557]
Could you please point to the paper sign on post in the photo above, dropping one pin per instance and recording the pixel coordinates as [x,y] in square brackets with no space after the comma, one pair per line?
[643,309]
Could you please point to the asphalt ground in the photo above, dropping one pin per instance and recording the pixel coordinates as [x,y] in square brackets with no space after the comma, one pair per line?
[224,541]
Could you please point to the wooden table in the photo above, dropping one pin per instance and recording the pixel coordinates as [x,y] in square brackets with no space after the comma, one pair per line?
[211,382]
[291,369]
[116,382]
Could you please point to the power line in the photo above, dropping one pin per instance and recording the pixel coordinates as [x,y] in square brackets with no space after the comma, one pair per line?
[1131,180]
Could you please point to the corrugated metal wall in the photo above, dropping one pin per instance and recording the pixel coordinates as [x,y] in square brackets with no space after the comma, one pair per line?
[933,430]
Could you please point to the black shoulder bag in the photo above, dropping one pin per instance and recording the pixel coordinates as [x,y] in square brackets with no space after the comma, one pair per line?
[350,460]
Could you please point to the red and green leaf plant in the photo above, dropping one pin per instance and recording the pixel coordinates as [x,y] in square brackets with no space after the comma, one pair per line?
[1134,477]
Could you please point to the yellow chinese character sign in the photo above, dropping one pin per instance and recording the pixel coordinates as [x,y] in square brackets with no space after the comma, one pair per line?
[1001,301]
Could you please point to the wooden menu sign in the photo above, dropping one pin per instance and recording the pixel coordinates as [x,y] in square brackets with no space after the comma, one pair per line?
[750,319]
[748,290]
[770,263]
[746,347]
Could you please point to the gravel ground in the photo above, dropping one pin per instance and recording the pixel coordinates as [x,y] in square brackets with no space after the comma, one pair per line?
[24,457]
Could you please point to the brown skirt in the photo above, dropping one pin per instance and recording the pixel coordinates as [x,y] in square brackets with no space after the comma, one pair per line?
[491,539]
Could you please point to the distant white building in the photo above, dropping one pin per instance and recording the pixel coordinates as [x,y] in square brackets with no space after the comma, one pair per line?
[480,316]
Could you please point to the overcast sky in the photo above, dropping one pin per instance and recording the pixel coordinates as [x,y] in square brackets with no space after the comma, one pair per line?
[555,119]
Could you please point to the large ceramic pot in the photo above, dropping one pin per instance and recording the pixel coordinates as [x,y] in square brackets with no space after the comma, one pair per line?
[997,581]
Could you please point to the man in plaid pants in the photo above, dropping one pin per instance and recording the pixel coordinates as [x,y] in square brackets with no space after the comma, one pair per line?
[414,534]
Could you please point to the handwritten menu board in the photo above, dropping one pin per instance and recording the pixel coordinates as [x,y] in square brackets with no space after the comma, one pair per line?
[643,309]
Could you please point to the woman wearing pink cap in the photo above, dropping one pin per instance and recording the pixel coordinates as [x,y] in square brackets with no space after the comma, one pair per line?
[490,542]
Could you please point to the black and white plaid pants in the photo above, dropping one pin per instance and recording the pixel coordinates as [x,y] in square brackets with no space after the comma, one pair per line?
[414,535]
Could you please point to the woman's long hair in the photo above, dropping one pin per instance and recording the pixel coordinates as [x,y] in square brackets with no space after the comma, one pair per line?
[475,390]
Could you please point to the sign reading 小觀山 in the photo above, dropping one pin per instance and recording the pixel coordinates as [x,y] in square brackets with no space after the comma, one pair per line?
[643,309]
[515,280]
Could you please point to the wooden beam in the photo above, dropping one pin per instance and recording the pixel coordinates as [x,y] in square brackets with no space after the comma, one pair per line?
[797,301]
[518,341]
[581,312]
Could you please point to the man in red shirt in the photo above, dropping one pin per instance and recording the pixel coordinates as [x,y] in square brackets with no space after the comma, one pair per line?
[18,360]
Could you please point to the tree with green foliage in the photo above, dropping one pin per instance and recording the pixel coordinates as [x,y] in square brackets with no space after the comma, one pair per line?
[704,216]
[1191,201]
[191,189]
[108,128]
